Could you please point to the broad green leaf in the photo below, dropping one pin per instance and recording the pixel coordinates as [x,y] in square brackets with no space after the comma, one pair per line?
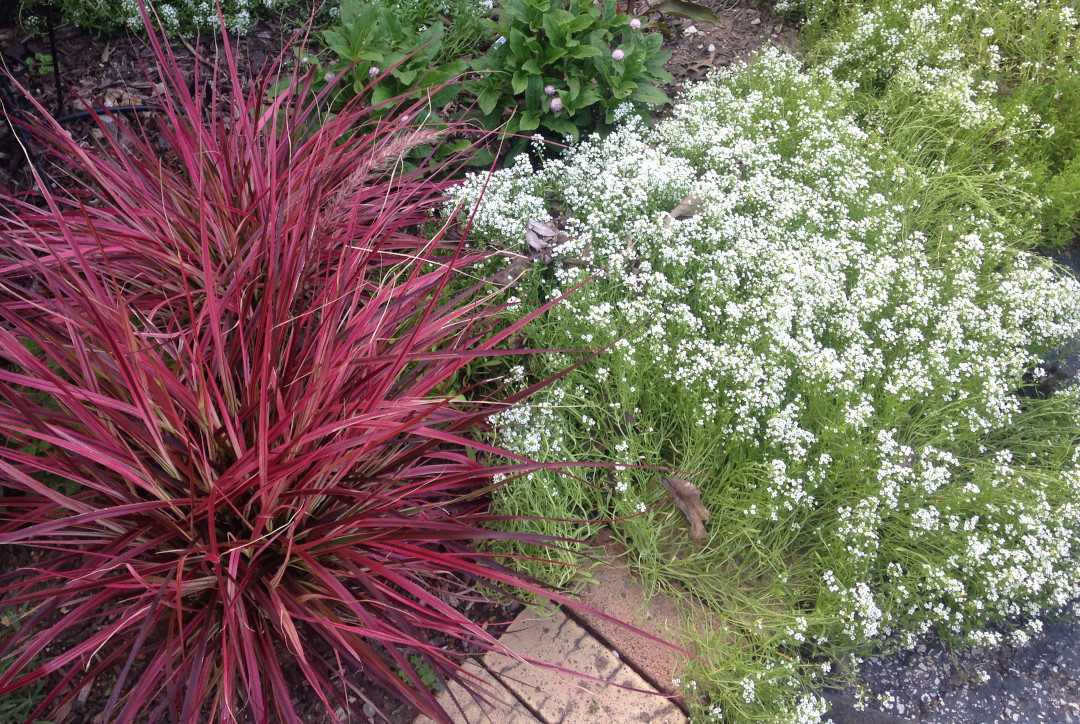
[349,11]
[649,94]
[337,43]
[529,121]
[483,157]
[588,96]
[555,35]
[488,100]
[580,23]
[516,41]
[519,81]
[492,26]
[431,42]
[534,92]
[445,94]
[609,11]
[405,76]
[560,125]
[389,25]
[652,42]
[554,53]
[531,66]
[585,51]
[381,94]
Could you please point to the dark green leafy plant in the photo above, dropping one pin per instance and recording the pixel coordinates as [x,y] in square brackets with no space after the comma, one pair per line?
[378,54]
[562,66]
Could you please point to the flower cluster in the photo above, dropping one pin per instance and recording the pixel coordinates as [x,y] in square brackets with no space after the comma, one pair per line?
[781,317]
[998,80]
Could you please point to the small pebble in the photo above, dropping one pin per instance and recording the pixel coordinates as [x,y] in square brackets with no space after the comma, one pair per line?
[756,21]
[689,30]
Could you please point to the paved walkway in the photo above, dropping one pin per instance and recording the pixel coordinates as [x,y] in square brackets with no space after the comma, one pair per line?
[620,659]
[523,693]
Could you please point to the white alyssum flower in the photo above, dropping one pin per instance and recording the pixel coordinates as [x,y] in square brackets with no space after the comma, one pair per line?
[795,319]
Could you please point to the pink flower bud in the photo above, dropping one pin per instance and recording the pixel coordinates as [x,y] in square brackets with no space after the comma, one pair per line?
[617,54]
[635,24]
[549,90]
[373,71]
[556,104]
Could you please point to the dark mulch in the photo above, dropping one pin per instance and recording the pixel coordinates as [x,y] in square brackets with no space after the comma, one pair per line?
[698,47]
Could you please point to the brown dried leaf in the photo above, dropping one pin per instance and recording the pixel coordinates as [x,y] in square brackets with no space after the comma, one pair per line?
[687,498]
[687,207]
[539,235]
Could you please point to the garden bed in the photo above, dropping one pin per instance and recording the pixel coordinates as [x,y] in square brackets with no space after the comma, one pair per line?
[822,410]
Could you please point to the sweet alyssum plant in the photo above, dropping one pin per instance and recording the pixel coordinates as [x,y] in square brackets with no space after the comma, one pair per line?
[233,447]
[561,66]
[990,89]
[788,320]
[186,16]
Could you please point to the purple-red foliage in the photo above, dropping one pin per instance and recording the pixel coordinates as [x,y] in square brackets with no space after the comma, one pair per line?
[231,435]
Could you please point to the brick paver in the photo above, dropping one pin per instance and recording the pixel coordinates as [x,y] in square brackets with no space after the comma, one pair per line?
[505,707]
[565,699]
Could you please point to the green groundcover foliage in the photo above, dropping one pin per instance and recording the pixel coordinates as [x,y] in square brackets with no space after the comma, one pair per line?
[788,322]
[989,89]
[186,16]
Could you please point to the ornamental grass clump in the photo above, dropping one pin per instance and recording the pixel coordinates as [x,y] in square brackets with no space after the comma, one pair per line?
[832,350]
[236,450]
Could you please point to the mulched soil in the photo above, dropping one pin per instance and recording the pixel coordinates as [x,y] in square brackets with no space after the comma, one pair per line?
[120,69]
[698,47]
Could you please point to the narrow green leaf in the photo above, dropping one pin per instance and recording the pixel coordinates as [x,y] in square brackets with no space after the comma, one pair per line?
[689,10]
